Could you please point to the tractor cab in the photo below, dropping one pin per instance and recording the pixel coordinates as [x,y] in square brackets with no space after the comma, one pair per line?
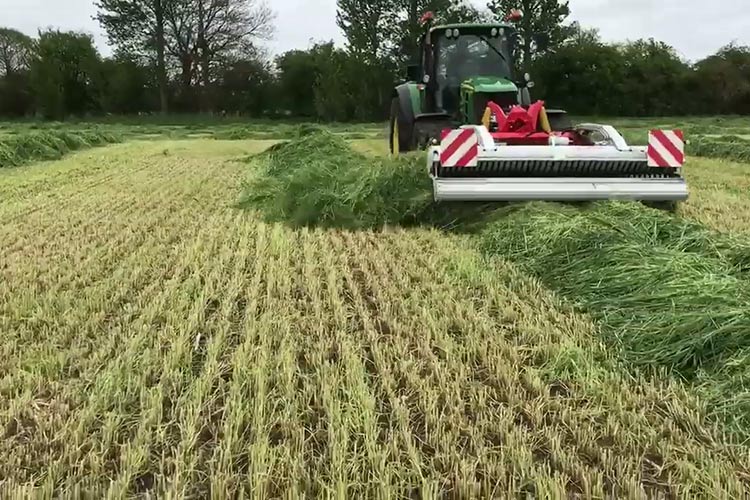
[463,66]
[464,76]
[461,69]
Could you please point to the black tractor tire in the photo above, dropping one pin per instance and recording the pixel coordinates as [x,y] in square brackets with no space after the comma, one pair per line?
[401,129]
[666,206]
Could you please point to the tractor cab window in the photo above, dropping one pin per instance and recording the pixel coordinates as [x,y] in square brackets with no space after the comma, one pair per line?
[460,58]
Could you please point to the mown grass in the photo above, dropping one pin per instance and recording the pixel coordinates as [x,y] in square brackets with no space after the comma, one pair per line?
[17,150]
[158,342]
[710,137]
[670,294]
[318,179]
[292,130]
[707,135]
[691,125]
[190,127]
[727,147]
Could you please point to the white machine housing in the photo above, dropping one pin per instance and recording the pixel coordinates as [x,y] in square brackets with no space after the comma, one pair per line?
[609,148]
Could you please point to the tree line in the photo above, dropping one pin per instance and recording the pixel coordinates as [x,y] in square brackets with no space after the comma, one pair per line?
[188,56]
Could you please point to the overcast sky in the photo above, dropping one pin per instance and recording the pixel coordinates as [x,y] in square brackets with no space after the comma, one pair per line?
[696,28]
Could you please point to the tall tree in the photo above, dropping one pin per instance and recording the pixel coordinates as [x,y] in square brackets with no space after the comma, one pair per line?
[582,76]
[246,86]
[16,51]
[375,29]
[125,86]
[203,33]
[367,25]
[654,80]
[135,26]
[540,17]
[181,21]
[297,75]
[722,81]
[226,29]
[65,74]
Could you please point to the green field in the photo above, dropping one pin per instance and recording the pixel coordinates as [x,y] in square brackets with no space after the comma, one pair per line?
[159,337]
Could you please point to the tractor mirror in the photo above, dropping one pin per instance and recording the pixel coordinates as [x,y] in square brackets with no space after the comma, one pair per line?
[412,72]
[541,40]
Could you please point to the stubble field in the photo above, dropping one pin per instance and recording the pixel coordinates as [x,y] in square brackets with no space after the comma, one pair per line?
[157,339]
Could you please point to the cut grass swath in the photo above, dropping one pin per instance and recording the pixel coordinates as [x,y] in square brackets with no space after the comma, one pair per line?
[671,294]
[318,179]
[728,147]
[48,145]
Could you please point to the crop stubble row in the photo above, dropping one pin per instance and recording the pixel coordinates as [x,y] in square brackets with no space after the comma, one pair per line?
[177,344]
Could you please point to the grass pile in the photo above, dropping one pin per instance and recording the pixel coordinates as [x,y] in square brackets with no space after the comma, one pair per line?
[730,147]
[668,293]
[729,141]
[248,132]
[286,131]
[672,291]
[318,179]
[50,144]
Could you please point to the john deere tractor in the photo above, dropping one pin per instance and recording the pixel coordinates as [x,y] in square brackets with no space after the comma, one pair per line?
[461,68]
[486,141]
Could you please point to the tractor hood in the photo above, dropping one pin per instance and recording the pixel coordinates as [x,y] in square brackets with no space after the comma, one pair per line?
[490,85]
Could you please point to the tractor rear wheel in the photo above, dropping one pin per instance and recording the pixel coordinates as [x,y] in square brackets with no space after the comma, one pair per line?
[559,120]
[400,138]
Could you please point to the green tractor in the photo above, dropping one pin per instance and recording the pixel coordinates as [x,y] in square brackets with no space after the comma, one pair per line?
[461,68]
[486,141]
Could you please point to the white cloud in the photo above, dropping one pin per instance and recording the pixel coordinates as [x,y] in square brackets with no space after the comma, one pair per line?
[29,16]
[693,28]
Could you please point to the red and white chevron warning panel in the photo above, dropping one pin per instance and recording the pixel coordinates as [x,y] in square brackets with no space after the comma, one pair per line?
[666,148]
[459,148]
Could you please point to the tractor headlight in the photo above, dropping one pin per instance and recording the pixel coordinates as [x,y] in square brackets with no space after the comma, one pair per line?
[448,33]
[456,33]
[493,32]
